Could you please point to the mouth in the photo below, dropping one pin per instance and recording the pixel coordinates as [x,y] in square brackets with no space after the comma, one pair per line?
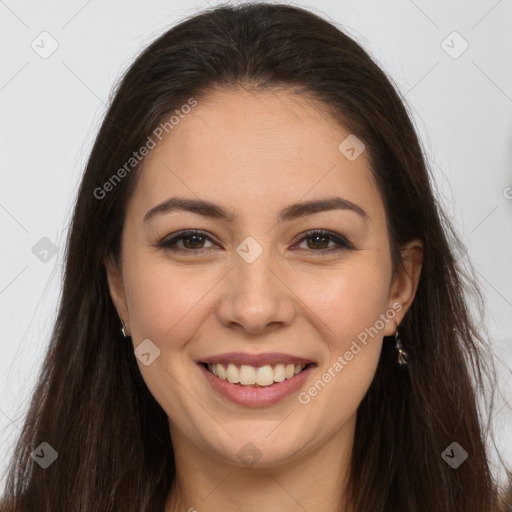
[244,375]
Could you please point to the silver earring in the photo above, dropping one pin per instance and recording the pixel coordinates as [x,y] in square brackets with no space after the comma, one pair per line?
[123,330]
[402,354]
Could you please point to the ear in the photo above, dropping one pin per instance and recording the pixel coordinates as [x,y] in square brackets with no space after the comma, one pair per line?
[404,286]
[116,289]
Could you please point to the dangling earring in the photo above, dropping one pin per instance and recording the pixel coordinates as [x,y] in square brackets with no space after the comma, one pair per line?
[123,330]
[402,354]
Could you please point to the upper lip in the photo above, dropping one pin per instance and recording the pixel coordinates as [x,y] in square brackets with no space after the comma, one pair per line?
[271,358]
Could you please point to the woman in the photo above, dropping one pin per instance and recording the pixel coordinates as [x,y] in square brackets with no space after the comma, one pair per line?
[261,307]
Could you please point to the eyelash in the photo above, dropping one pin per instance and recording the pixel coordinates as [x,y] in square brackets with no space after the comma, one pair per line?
[342,243]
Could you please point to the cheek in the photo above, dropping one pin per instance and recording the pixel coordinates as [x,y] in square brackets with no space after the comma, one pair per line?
[167,306]
[165,303]
[348,304]
[346,300]
[349,310]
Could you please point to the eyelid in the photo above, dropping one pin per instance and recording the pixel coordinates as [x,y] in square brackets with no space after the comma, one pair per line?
[166,242]
[342,243]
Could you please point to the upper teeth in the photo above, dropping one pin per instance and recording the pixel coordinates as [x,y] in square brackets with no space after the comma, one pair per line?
[248,375]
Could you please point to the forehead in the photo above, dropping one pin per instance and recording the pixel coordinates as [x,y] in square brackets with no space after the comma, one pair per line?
[263,148]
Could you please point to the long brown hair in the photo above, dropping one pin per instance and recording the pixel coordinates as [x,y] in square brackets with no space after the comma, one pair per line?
[91,403]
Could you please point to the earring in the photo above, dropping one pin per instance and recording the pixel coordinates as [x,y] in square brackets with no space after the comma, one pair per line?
[123,330]
[402,354]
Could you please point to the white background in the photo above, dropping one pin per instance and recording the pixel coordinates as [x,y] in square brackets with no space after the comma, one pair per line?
[51,109]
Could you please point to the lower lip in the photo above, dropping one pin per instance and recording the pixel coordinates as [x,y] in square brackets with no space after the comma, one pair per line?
[257,396]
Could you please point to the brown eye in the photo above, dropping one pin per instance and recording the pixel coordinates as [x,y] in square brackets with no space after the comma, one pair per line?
[318,242]
[192,241]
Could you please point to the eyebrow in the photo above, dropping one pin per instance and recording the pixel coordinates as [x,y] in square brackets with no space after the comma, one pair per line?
[291,212]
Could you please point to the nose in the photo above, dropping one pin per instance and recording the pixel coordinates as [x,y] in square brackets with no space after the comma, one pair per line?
[256,297]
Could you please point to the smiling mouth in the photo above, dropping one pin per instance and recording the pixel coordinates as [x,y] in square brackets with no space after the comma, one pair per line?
[251,376]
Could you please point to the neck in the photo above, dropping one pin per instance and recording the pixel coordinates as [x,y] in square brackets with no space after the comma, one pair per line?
[314,480]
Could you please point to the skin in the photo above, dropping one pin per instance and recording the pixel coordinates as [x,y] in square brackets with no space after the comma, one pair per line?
[256,153]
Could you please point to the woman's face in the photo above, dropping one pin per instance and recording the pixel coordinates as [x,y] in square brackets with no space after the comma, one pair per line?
[254,283]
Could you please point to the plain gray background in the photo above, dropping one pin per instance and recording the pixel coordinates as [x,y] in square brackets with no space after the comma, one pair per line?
[460,99]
